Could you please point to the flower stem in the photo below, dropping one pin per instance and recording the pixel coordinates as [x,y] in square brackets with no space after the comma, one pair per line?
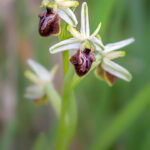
[54,98]
[67,122]
[63,36]
[68,115]
[65,56]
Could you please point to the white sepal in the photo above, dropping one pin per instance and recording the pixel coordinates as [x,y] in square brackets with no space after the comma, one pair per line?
[118,45]
[40,71]
[69,44]
[85,29]
[116,70]
[68,16]
[97,44]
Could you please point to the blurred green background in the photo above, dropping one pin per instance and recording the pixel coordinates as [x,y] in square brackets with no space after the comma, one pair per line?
[116,118]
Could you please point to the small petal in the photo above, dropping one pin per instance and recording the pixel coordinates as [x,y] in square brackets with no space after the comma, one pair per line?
[118,45]
[41,72]
[77,35]
[67,4]
[115,54]
[34,92]
[85,29]
[47,3]
[32,77]
[116,70]
[96,31]
[68,16]
[69,44]
[97,44]
[53,71]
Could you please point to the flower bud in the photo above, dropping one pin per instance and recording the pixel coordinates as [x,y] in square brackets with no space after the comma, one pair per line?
[82,61]
[49,23]
[105,76]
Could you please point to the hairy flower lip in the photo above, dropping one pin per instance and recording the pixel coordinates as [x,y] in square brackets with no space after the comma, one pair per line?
[82,61]
[49,23]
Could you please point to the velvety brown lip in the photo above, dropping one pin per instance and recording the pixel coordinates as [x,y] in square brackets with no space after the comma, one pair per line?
[82,61]
[49,23]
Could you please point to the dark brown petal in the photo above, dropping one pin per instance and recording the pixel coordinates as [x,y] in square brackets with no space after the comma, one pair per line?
[82,61]
[49,23]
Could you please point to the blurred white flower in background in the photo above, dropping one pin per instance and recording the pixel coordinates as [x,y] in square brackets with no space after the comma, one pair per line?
[40,79]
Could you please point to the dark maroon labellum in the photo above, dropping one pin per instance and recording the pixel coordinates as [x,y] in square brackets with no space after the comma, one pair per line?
[49,23]
[82,61]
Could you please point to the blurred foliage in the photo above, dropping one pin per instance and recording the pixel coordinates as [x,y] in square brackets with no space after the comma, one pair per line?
[116,118]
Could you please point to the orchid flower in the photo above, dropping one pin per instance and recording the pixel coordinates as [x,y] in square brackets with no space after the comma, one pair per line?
[107,69]
[62,8]
[40,78]
[82,39]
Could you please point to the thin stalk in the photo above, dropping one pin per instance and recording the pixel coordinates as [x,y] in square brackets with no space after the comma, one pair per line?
[66,125]
[54,98]
[65,56]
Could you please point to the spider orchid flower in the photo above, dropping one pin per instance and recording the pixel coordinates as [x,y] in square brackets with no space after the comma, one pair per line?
[108,70]
[40,79]
[55,9]
[84,43]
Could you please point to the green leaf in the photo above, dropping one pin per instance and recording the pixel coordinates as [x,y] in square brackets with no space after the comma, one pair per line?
[40,143]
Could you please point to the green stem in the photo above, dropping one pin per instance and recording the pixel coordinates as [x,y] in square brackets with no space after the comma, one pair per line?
[54,98]
[67,122]
[65,56]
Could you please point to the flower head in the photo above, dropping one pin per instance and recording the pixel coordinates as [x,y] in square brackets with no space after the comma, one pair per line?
[84,43]
[40,78]
[82,39]
[49,20]
[107,69]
